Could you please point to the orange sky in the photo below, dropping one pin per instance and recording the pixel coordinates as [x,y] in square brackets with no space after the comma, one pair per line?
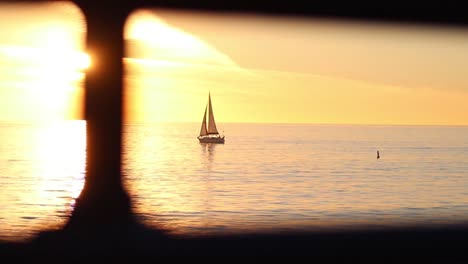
[296,71]
[257,69]
[41,61]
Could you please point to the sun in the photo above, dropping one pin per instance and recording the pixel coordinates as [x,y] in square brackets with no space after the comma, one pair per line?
[54,50]
[83,61]
[60,50]
[53,67]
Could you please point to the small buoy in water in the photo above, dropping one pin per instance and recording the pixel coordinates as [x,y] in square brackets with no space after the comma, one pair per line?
[378,155]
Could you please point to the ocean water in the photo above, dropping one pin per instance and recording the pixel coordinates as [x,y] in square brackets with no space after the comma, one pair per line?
[265,177]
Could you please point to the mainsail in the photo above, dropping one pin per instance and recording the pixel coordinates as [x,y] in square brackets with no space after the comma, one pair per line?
[212,130]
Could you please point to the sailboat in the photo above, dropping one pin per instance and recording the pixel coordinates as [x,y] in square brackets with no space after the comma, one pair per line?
[209,134]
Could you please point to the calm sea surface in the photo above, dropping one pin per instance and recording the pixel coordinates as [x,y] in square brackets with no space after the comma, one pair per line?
[267,177]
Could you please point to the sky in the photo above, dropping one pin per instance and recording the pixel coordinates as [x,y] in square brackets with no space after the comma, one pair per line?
[257,69]
[41,62]
[300,71]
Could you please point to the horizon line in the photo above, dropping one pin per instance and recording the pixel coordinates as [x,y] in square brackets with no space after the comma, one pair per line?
[19,122]
[298,123]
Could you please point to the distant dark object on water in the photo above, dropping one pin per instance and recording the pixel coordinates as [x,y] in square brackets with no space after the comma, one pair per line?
[378,155]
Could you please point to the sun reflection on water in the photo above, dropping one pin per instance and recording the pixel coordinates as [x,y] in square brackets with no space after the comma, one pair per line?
[50,161]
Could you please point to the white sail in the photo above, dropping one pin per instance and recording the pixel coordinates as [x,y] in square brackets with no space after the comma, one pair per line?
[211,124]
[203,131]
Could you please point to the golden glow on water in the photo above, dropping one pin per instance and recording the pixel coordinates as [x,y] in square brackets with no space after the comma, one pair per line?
[42,171]
[63,144]
[42,156]
[295,177]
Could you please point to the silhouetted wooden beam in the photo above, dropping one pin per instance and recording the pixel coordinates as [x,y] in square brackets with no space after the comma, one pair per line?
[103,201]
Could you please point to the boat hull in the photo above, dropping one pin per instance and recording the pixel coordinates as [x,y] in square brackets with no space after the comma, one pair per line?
[216,140]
